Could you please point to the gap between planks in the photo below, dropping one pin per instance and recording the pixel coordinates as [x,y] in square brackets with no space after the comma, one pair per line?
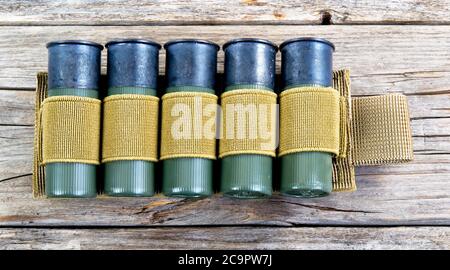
[231,226]
[207,12]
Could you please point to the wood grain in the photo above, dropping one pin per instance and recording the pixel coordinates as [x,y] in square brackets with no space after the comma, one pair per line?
[241,12]
[17,107]
[375,39]
[410,194]
[382,59]
[228,238]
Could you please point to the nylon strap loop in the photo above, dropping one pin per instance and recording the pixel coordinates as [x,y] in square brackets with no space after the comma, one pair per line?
[309,120]
[71,129]
[343,170]
[188,125]
[249,122]
[130,128]
[381,130]
[38,178]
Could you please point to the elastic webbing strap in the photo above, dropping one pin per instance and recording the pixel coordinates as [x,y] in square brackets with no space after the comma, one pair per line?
[38,178]
[188,125]
[309,120]
[249,122]
[381,130]
[71,129]
[343,169]
[130,128]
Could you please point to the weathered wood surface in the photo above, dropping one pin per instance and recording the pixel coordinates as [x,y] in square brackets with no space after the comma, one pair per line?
[224,238]
[419,196]
[410,194]
[166,12]
[388,57]
[382,59]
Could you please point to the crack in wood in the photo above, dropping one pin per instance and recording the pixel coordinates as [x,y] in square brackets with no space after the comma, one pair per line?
[155,204]
[326,18]
[430,152]
[15,125]
[428,117]
[432,136]
[160,215]
[9,138]
[15,177]
[429,93]
[328,208]
[406,74]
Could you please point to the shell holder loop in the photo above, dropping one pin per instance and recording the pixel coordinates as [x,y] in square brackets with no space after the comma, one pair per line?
[309,120]
[188,125]
[249,122]
[130,128]
[71,130]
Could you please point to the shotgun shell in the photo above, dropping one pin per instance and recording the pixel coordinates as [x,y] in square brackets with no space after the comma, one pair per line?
[306,62]
[73,70]
[132,69]
[191,65]
[249,64]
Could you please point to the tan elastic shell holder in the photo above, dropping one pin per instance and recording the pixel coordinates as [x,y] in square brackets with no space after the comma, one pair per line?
[376,130]
[373,130]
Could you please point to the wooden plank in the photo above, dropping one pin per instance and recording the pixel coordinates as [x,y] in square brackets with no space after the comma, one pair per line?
[389,58]
[17,106]
[228,238]
[430,127]
[165,12]
[416,193]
